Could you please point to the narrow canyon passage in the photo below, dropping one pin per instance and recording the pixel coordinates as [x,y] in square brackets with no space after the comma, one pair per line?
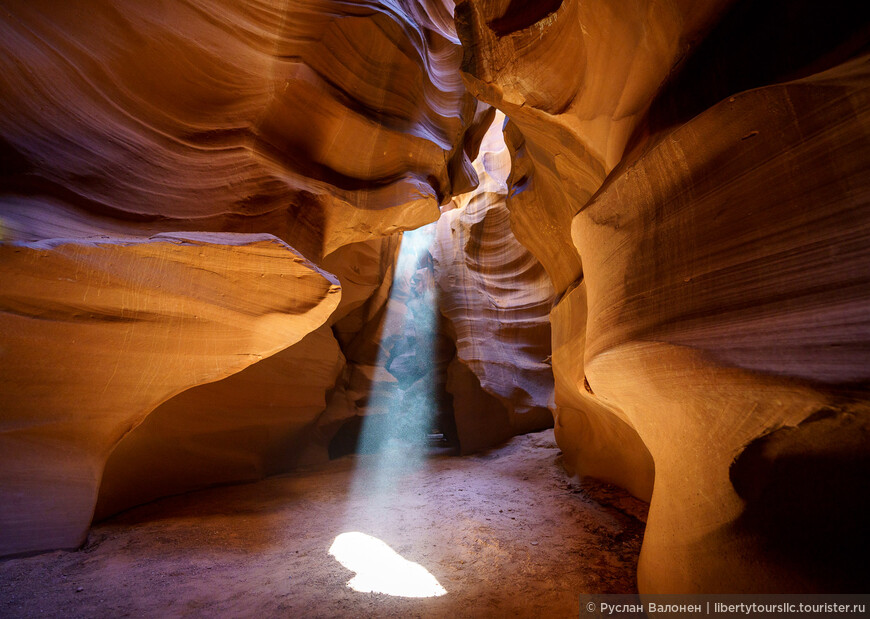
[289,242]
[505,532]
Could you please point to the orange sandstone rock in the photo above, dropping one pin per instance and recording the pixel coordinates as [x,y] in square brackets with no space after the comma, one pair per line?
[323,123]
[575,78]
[727,286]
[597,438]
[722,233]
[497,297]
[254,423]
[328,125]
[99,333]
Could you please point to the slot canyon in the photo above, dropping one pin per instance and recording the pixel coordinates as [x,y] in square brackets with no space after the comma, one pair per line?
[331,308]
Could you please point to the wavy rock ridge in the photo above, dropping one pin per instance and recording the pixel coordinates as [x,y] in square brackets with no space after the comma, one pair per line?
[496,297]
[324,125]
[97,334]
[712,324]
[681,233]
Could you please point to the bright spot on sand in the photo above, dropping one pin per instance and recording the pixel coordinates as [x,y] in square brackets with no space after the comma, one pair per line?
[380,569]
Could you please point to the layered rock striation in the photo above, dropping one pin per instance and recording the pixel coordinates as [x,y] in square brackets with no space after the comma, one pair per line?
[99,333]
[323,123]
[201,207]
[496,297]
[463,337]
[761,313]
[161,168]
[711,329]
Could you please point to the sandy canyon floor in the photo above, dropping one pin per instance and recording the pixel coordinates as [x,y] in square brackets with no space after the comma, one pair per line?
[505,533]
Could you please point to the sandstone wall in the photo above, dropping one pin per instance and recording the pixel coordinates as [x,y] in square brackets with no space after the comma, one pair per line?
[200,213]
[253,134]
[496,297]
[710,161]
[97,333]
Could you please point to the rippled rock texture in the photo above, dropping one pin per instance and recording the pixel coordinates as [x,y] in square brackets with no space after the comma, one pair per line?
[464,333]
[711,333]
[496,297]
[164,171]
[679,240]
[320,122]
[98,333]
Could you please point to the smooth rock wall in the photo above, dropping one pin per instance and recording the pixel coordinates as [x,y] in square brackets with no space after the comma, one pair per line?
[325,124]
[99,333]
[759,317]
[715,336]
[497,297]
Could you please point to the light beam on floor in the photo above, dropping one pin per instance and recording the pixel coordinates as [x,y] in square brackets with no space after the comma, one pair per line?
[403,405]
[380,569]
[393,444]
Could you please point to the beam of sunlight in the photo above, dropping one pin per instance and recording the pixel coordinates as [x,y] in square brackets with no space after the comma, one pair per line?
[380,569]
[397,439]
[393,444]
[404,409]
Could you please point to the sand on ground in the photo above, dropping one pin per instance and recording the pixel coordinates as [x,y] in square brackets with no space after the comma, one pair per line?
[505,533]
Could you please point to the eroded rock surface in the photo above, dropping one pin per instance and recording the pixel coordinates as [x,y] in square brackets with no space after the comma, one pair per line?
[97,334]
[328,125]
[681,232]
[724,287]
[760,313]
[463,334]
[575,78]
[252,424]
[597,439]
[322,123]
[496,296]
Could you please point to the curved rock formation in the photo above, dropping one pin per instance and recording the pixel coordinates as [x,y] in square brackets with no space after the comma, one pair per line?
[575,78]
[724,287]
[680,217]
[759,302]
[264,420]
[323,123]
[98,333]
[496,297]
[597,439]
[252,424]
[326,124]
